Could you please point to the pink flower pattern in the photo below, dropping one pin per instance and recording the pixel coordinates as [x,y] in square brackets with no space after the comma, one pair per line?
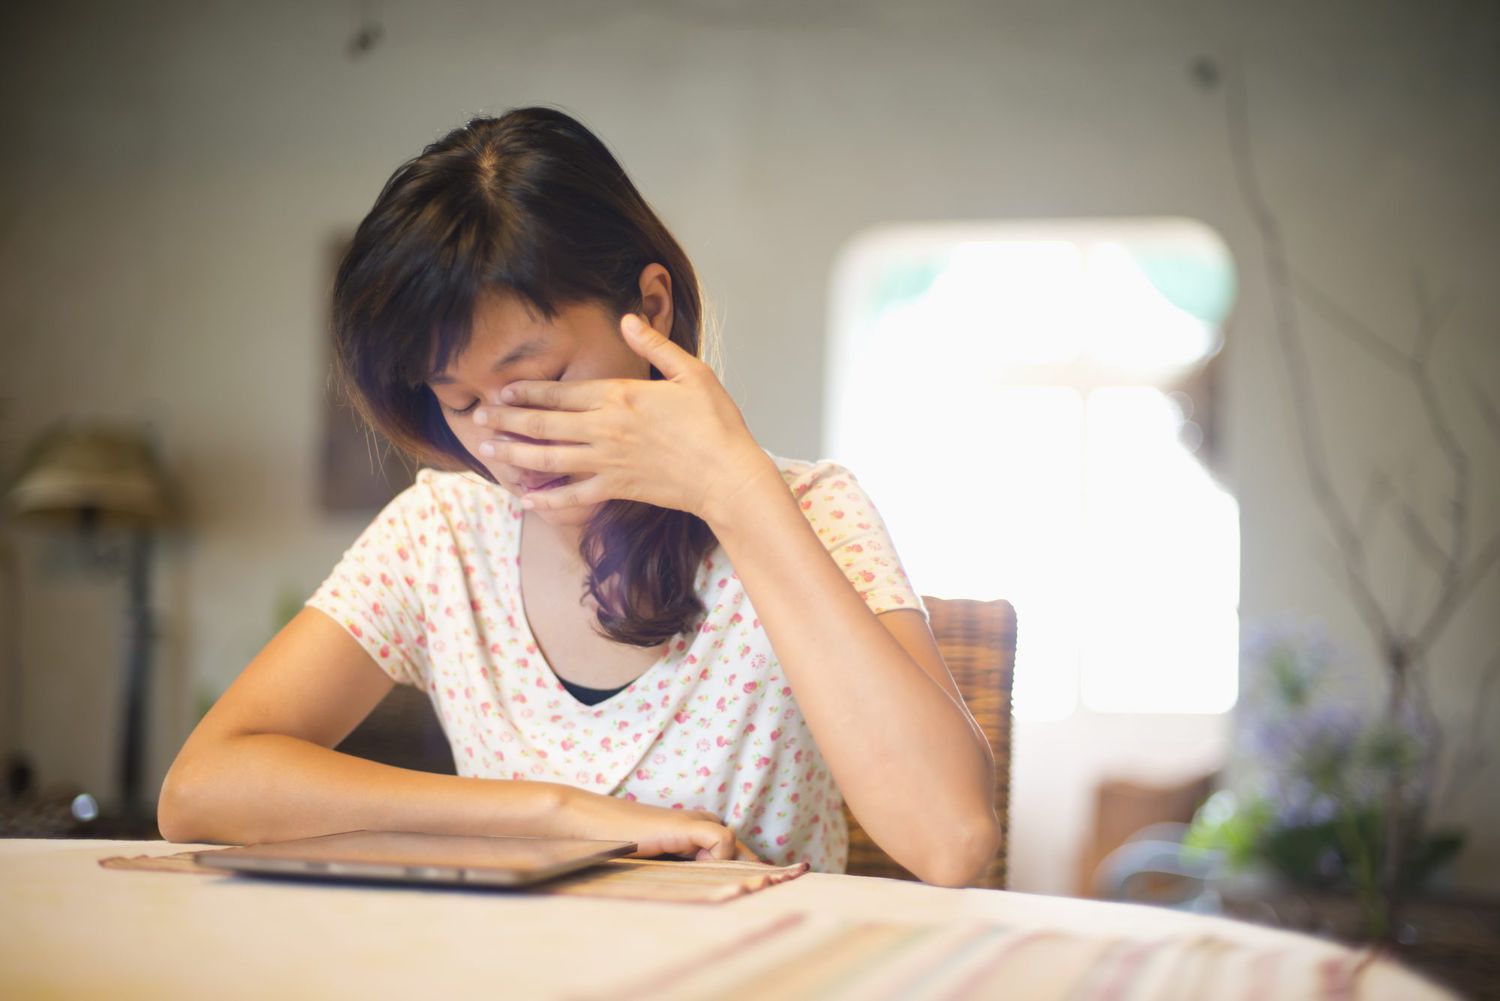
[431,590]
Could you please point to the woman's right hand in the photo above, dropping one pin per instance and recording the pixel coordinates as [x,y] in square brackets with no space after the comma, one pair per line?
[656,830]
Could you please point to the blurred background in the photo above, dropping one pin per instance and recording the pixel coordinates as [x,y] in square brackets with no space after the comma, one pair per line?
[1183,313]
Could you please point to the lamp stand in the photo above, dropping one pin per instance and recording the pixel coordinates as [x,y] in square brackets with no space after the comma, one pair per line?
[138,643]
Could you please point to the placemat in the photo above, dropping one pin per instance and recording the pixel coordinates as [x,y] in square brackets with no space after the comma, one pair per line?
[687,882]
[807,957]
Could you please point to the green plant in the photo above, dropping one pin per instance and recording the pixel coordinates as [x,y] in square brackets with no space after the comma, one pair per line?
[1315,810]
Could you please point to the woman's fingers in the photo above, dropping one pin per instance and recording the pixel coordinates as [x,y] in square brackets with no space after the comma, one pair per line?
[541,425]
[660,350]
[744,853]
[577,494]
[709,839]
[538,458]
[725,845]
[576,396]
[700,840]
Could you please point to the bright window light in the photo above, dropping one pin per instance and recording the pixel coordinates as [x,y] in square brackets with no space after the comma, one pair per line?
[1001,392]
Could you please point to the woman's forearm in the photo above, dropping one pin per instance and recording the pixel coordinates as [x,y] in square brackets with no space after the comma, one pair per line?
[273,787]
[904,754]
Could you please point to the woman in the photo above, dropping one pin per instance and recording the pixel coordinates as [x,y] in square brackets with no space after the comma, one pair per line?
[571,578]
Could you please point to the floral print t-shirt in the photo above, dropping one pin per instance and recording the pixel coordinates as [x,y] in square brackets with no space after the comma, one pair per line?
[431,589]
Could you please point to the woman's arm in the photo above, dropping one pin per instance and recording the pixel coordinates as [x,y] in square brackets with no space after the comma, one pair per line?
[260,767]
[911,761]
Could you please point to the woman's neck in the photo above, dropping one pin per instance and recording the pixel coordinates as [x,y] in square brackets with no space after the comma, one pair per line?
[559,541]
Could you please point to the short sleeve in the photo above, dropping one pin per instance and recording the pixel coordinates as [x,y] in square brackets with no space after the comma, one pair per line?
[374,591]
[846,521]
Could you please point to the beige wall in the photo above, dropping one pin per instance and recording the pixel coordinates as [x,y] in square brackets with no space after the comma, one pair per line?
[171,173]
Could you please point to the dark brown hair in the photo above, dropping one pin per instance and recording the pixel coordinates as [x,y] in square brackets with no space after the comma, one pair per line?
[529,204]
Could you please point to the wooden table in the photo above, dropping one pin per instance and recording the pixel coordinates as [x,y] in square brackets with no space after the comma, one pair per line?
[74,929]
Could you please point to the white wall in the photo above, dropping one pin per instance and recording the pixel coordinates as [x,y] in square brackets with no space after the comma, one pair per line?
[171,174]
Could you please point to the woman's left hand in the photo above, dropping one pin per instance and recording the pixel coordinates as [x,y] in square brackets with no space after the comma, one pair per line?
[678,442]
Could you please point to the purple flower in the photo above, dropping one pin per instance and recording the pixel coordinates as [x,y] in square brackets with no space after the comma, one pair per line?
[1316,751]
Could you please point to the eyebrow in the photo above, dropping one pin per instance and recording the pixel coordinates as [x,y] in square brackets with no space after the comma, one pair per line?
[519,353]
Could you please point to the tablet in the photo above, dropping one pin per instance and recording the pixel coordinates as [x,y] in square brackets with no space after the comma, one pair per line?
[404,857]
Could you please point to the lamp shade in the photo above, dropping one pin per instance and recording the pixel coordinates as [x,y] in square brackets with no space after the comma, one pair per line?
[101,470]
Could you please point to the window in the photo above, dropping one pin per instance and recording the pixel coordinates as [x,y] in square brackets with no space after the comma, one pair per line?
[1026,404]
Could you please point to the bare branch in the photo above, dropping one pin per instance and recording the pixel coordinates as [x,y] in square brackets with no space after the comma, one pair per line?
[1422,701]
[1421,538]
[1378,493]
[1453,598]
[1487,411]
[1481,701]
[1416,367]
[1428,321]
[1481,704]
[1315,460]
[1403,656]
[1428,324]
[1356,330]
[1469,761]
[1403,617]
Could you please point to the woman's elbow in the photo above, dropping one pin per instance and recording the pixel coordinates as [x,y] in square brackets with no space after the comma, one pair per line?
[966,857]
[174,813]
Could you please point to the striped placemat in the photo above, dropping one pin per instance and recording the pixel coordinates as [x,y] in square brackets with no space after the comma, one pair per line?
[801,957]
[687,882]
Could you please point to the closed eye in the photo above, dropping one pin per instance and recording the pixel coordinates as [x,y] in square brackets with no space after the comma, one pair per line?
[475,403]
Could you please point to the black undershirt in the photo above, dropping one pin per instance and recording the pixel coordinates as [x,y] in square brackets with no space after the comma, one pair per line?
[592,696]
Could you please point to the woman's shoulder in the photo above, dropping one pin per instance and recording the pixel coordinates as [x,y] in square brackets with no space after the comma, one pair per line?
[456,498]
[803,475]
[807,470]
[446,488]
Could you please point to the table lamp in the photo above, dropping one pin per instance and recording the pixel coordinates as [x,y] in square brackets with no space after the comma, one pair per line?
[102,478]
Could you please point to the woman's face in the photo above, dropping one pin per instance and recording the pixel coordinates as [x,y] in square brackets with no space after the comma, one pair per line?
[509,344]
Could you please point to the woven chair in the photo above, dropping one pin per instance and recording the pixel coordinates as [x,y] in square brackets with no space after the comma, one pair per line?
[978,643]
[402,730]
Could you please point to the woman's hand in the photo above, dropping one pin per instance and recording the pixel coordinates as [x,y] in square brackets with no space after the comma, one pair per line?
[678,442]
[656,830]
[743,853]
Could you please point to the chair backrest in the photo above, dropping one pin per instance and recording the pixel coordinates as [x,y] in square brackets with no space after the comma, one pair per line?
[978,643]
[402,730]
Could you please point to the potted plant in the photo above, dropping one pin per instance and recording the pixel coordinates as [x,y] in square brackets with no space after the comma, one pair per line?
[1311,807]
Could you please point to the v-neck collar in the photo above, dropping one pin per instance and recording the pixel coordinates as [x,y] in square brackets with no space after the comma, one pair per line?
[594,746]
[548,678]
[597,747]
